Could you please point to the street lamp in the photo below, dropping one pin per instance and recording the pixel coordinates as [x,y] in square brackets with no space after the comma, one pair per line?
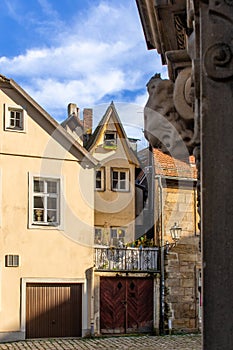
[175,231]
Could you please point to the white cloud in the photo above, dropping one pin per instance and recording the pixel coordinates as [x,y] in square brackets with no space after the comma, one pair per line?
[141,99]
[85,93]
[101,51]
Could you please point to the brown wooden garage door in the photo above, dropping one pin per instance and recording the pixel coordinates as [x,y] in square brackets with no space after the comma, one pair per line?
[53,310]
[126,305]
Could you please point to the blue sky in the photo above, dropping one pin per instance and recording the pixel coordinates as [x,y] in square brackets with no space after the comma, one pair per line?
[88,52]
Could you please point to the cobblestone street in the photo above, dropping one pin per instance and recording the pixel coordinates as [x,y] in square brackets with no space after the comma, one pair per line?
[179,342]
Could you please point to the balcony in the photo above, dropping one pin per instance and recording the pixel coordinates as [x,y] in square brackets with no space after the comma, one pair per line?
[126,259]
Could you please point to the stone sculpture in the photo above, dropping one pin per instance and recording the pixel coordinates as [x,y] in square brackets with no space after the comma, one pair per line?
[168,117]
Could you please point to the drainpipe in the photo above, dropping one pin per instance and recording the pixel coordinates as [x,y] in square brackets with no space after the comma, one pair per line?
[162,268]
[90,294]
[92,303]
[151,191]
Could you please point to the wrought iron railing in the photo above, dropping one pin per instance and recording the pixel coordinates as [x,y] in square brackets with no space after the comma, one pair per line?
[126,259]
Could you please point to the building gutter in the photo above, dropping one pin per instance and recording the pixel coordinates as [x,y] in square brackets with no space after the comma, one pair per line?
[191,179]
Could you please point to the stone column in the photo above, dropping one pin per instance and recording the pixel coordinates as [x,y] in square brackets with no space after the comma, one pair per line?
[216,96]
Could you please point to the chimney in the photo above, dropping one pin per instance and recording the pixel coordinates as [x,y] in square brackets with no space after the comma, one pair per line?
[73,120]
[72,109]
[87,120]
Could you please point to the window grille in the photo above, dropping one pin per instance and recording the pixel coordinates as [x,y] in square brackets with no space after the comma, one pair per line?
[11,260]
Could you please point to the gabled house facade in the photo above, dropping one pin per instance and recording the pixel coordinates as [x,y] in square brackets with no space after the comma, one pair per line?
[114,181]
[114,199]
[46,223]
[125,283]
[125,276]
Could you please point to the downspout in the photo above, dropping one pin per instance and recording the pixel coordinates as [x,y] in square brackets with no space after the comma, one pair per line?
[152,192]
[162,269]
[195,209]
[92,303]
[90,297]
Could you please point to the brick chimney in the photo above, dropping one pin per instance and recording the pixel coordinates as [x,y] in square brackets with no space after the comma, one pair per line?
[72,109]
[87,120]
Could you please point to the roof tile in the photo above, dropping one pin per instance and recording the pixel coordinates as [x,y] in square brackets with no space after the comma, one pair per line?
[168,166]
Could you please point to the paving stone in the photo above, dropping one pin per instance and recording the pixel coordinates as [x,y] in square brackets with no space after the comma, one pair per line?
[173,342]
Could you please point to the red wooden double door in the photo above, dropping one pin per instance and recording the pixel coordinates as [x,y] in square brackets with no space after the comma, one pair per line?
[126,305]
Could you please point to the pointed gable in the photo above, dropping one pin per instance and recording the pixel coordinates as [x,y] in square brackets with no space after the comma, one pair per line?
[108,125]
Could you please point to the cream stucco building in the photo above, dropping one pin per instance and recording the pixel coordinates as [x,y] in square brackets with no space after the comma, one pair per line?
[46,222]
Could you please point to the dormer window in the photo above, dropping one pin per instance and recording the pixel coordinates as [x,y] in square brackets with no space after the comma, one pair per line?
[110,140]
[14,118]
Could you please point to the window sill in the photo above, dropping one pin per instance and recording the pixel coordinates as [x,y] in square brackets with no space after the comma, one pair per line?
[124,191]
[44,226]
[109,147]
[16,130]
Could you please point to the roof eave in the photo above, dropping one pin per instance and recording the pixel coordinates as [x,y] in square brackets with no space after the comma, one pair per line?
[10,83]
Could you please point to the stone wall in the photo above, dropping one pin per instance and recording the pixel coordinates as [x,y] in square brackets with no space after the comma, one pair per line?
[175,202]
[180,207]
[182,266]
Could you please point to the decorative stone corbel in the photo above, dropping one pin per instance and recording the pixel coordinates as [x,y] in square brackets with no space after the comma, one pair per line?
[168,114]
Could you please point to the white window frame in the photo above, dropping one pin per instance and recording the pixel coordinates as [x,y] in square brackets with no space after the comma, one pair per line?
[35,223]
[101,180]
[110,143]
[118,186]
[10,123]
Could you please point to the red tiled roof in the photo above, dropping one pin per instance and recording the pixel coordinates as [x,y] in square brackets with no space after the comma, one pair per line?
[168,166]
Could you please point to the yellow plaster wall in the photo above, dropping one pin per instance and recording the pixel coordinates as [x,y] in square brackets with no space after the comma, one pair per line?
[113,208]
[45,252]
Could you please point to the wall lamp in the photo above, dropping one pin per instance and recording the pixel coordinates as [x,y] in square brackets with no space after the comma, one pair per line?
[175,232]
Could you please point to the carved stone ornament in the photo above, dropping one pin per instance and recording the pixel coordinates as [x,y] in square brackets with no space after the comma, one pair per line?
[183,95]
[180,32]
[164,127]
[218,61]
